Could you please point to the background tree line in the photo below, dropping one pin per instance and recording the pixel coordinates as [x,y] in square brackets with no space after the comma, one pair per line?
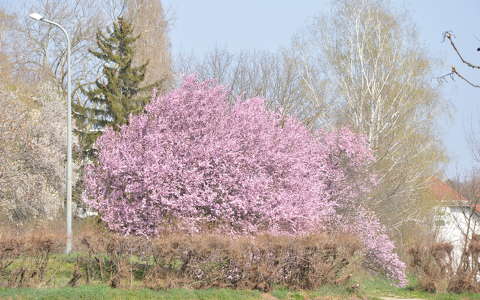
[359,66]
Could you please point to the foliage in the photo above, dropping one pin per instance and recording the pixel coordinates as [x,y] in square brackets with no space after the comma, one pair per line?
[380,250]
[118,93]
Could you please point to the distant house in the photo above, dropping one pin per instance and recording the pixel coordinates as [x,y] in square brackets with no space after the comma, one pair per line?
[82,212]
[456,217]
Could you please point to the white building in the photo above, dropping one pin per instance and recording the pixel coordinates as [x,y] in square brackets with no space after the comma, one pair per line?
[456,218]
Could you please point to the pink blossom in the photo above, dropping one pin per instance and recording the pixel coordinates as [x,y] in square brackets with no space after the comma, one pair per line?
[193,160]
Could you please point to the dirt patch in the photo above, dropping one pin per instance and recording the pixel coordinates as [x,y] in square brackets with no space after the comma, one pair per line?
[391,298]
[268,297]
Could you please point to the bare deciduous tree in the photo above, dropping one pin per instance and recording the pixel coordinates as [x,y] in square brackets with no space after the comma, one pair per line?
[289,86]
[38,51]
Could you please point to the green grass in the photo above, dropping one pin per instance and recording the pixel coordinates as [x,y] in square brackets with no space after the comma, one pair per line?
[376,287]
[373,289]
[100,292]
[97,292]
[334,292]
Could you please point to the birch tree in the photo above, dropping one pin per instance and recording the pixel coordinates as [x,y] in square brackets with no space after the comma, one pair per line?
[381,80]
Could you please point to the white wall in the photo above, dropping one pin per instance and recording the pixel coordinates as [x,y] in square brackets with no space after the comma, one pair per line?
[451,224]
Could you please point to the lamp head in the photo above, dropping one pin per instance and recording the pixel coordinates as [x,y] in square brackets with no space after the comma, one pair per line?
[36,16]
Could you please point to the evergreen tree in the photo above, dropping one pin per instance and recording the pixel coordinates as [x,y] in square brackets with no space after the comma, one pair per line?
[118,93]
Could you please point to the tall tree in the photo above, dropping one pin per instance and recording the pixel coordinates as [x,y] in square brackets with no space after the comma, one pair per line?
[38,52]
[150,23]
[381,80]
[249,173]
[118,93]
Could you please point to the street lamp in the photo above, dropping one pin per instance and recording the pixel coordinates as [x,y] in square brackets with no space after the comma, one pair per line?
[68,247]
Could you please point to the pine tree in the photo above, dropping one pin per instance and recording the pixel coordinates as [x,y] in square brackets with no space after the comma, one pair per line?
[118,93]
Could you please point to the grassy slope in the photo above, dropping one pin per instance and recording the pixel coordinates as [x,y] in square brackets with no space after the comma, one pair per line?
[377,287]
[103,292]
[373,289]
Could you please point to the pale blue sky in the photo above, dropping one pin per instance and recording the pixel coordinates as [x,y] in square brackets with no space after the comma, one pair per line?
[200,26]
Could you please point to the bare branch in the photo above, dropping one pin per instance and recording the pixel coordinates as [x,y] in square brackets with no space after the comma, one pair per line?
[453,73]
[448,35]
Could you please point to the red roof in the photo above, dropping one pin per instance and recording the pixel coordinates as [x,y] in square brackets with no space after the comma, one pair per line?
[443,192]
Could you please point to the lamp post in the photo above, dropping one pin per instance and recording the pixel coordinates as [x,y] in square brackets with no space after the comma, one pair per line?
[68,247]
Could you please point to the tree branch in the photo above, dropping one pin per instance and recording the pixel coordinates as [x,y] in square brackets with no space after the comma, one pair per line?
[454,72]
[448,35]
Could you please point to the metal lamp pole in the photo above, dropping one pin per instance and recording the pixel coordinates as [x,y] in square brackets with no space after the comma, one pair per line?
[68,247]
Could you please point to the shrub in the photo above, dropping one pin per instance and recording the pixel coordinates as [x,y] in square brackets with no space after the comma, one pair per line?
[194,159]
[212,260]
[109,258]
[253,262]
[10,250]
[24,259]
[193,162]
[437,270]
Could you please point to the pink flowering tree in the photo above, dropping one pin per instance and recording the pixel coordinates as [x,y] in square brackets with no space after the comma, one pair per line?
[193,161]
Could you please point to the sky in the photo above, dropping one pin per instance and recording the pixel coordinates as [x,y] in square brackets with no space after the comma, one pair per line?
[200,26]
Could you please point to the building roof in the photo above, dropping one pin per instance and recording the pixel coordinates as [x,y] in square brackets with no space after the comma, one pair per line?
[447,195]
[444,192]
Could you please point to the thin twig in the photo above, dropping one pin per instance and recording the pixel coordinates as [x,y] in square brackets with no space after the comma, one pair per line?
[450,36]
[454,72]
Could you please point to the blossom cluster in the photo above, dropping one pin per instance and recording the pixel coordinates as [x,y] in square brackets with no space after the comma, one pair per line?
[379,248]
